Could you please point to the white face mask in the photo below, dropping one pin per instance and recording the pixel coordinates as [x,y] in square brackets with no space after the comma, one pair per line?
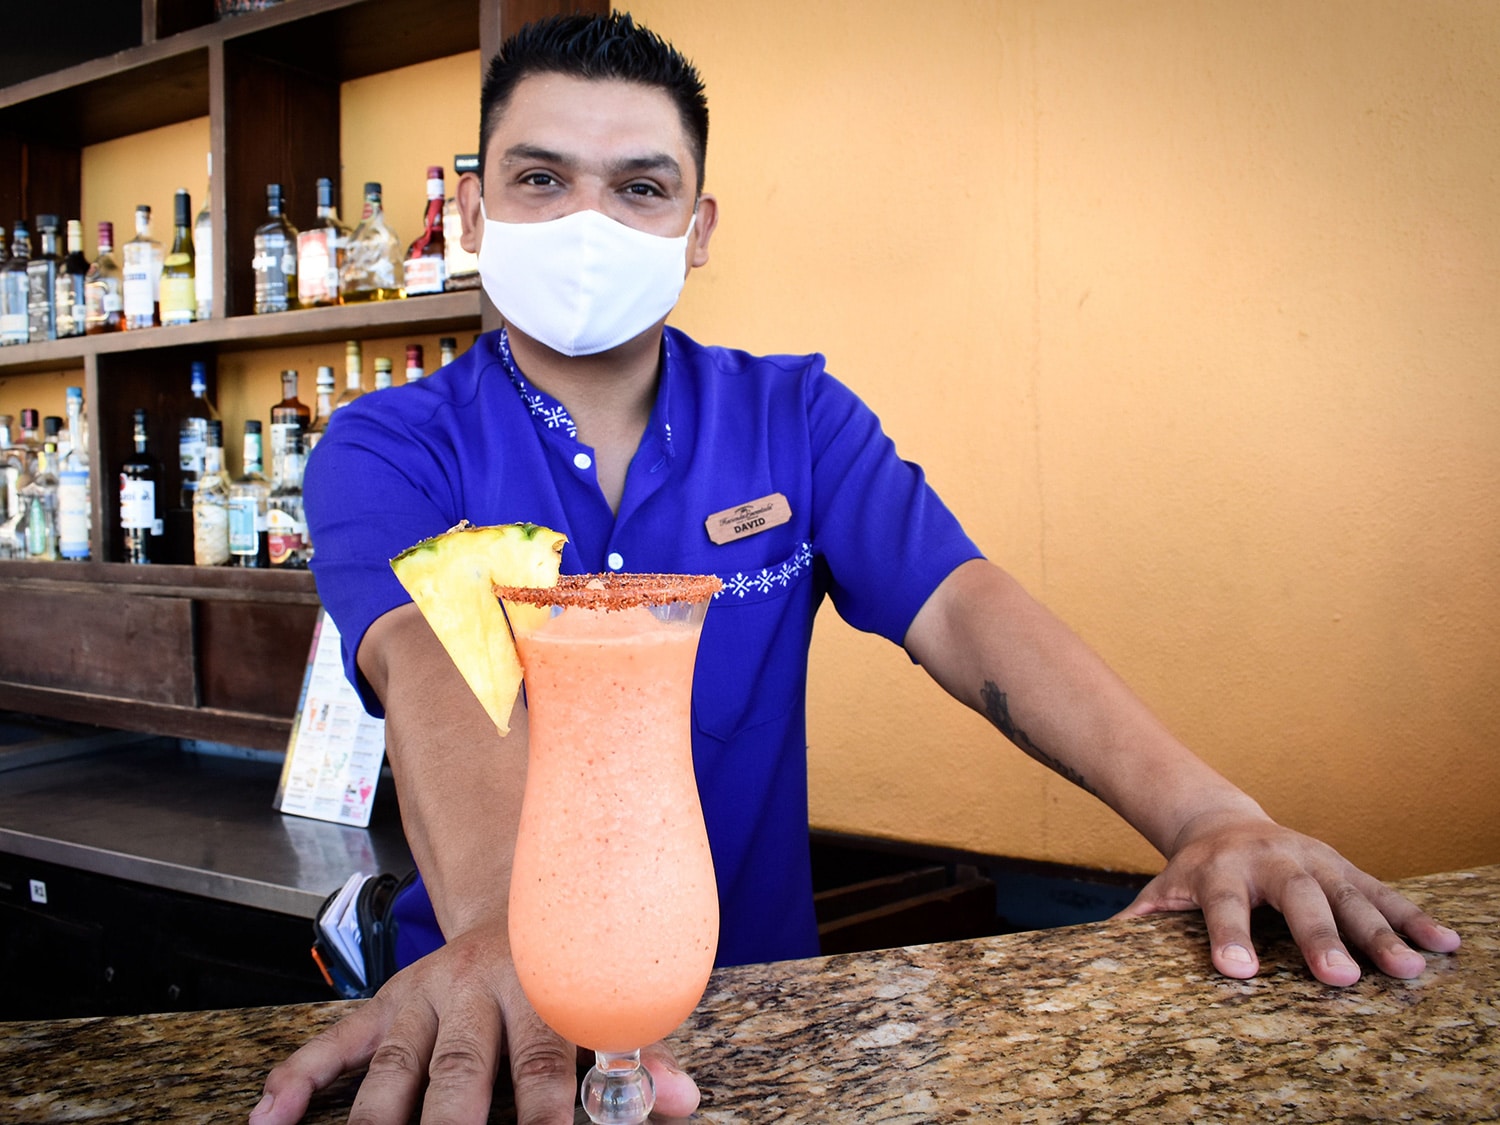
[584,283]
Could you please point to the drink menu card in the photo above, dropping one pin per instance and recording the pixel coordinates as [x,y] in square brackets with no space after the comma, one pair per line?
[333,759]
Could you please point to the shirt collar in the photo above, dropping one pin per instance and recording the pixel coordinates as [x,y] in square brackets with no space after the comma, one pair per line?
[553,415]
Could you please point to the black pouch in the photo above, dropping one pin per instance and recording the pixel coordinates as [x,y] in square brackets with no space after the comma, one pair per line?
[377,938]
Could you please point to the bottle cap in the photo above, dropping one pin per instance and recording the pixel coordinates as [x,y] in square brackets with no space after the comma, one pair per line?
[413,355]
[51,426]
[382,363]
[182,208]
[325,376]
[107,233]
[46,222]
[74,393]
[29,418]
[252,425]
[372,187]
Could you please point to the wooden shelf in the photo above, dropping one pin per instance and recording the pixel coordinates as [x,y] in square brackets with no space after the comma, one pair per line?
[441,312]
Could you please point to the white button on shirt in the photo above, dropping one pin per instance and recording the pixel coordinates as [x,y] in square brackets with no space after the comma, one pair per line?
[615,560]
[582,460]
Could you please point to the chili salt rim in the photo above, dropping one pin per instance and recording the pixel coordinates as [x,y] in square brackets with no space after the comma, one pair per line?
[615,591]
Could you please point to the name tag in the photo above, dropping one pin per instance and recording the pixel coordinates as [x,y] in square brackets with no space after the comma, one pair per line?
[748,519]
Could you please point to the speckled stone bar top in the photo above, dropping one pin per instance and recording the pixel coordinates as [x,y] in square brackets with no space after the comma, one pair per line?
[1112,1021]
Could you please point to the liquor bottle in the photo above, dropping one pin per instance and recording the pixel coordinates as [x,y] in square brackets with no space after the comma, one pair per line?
[179,298]
[448,351]
[203,247]
[103,288]
[286,523]
[248,496]
[275,261]
[319,426]
[192,434]
[372,266]
[39,502]
[12,465]
[383,369]
[30,441]
[414,369]
[140,515]
[41,282]
[291,410]
[141,282]
[15,292]
[462,266]
[71,298]
[354,378]
[75,511]
[425,270]
[320,253]
[211,503]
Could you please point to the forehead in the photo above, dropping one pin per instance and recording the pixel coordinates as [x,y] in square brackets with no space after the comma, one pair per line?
[584,116]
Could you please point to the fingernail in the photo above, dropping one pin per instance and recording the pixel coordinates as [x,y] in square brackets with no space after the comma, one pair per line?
[1338,959]
[264,1106]
[1236,955]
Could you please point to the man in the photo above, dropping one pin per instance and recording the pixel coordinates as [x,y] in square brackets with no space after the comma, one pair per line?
[590,416]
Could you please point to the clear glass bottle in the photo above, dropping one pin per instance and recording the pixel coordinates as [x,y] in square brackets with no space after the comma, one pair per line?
[103,288]
[211,503]
[39,501]
[372,267]
[326,385]
[448,351]
[192,434]
[71,299]
[12,468]
[286,523]
[15,291]
[462,266]
[179,297]
[141,283]
[320,253]
[75,507]
[248,497]
[354,377]
[203,247]
[140,497]
[425,269]
[383,373]
[41,282]
[275,260]
[414,370]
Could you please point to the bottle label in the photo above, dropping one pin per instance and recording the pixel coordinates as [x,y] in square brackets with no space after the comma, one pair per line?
[286,536]
[210,534]
[15,327]
[137,291]
[178,300]
[243,532]
[73,515]
[137,504]
[425,275]
[317,267]
[192,440]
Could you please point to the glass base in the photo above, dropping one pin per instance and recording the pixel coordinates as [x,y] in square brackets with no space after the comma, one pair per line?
[618,1090]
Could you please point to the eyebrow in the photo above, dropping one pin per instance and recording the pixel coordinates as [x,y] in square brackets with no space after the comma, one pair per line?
[649,162]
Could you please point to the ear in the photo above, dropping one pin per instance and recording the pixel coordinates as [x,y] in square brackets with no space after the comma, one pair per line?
[469,193]
[703,230]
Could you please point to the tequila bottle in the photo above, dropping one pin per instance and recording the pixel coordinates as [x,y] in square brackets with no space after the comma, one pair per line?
[275,261]
[372,267]
[41,282]
[71,298]
[425,268]
[319,426]
[140,511]
[286,524]
[15,291]
[192,435]
[39,501]
[353,374]
[211,503]
[75,510]
[320,253]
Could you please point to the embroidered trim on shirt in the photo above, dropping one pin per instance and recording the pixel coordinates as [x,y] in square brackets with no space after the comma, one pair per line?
[762,580]
[551,413]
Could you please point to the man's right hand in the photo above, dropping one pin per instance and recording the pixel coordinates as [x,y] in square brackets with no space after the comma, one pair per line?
[442,1025]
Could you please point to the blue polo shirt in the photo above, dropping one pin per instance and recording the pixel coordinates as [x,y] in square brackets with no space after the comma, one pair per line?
[476,441]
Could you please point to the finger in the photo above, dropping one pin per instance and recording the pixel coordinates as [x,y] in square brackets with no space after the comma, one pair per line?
[1409,919]
[392,1087]
[461,1074]
[1366,910]
[542,1070]
[676,1093]
[1226,914]
[1159,895]
[1305,905]
[334,1052]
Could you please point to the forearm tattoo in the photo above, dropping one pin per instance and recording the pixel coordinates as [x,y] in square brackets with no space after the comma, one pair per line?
[998,711]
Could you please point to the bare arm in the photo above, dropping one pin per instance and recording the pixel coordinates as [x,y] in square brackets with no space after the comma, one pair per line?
[995,648]
[435,1033]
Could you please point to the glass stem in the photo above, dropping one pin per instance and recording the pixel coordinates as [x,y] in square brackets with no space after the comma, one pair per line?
[618,1090]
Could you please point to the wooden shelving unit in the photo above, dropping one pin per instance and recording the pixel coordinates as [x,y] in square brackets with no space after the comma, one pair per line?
[213,653]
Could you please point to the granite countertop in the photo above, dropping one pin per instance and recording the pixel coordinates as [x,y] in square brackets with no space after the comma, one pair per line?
[1121,1020]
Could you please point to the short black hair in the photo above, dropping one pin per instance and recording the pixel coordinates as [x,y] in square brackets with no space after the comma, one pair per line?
[595,47]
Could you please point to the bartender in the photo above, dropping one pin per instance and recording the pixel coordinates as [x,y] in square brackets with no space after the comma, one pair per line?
[587,414]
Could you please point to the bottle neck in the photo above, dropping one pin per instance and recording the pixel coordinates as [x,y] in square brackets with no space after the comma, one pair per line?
[252,455]
[49,244]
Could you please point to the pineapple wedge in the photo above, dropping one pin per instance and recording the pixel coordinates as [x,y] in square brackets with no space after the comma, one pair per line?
[452,577]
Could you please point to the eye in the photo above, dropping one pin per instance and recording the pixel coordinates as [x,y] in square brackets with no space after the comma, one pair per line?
[539,179]
[644,190]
